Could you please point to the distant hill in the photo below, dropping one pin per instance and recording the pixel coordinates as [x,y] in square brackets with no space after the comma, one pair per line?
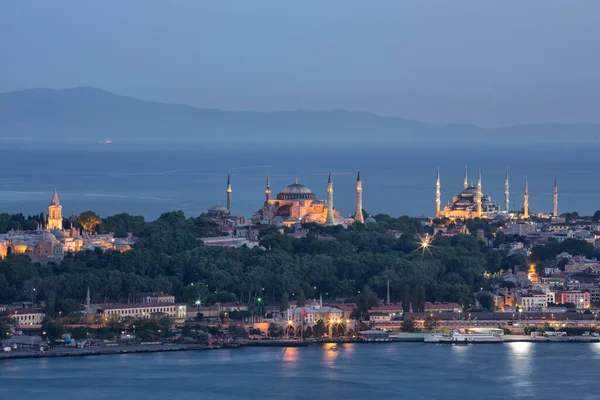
[87,113]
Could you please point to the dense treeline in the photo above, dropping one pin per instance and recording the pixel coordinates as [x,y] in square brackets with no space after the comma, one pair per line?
[329,261]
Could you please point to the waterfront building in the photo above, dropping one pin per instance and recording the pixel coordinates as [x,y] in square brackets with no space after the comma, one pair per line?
[379,317]
[536,300]
[143,311]
[308,316]
[28,316]
[581,299]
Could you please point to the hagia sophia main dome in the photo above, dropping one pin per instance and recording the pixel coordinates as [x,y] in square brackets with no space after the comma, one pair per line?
[296,191]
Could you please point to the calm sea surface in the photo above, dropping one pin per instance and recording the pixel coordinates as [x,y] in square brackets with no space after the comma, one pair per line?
[342,371]
[148,181]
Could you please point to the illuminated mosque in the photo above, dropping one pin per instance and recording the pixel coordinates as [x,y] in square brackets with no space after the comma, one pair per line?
[473,203]
[296,203]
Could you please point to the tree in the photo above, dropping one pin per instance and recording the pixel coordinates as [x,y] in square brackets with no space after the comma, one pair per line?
[408,325]
[54,329]
[79,333]
[165,324]
[486,300]
[430,323]
[285,302]
[89,220]
[6,325]
[275,330]
[301,298]
[366,300]
[596,216]
[406,295]
[319,329]
[419,299]
[67,307]
[236,331]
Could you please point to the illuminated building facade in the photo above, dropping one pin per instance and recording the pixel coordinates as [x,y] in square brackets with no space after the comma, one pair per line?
[468,204]
[296,203]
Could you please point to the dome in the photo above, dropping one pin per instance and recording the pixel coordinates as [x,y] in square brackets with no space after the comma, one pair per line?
[370,220]
[47,237]
[296,191]
[470,191]
[58,234]
[218,208]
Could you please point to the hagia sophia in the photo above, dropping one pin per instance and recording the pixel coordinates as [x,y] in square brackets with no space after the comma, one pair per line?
[472,202]
[296,203]
[51,241]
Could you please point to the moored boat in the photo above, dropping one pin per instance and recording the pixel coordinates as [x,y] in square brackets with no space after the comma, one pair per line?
[466,335]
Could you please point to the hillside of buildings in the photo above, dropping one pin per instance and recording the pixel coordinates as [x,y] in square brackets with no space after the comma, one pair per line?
[93,114]
[375,271]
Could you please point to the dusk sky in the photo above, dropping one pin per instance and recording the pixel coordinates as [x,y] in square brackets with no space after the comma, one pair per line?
[485,62]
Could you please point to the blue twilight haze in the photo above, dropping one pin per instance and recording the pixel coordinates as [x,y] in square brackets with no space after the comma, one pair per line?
[473,61]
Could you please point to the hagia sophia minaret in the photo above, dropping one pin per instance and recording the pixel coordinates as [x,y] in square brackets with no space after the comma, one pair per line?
[358,216]
[466,182]
[506,198]
[229,191]
[555,213]
[438,194]
[268,189]
[330,220]
[55,220]
[526,200]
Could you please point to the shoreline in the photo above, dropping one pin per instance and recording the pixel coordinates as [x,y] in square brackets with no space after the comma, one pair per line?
[75,352]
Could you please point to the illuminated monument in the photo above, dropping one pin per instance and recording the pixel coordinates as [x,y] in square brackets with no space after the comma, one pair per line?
[296,203]
[468,204]
[55,219]
[473,203]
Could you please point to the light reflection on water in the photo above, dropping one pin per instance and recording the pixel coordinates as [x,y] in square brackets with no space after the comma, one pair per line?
[521,364]
[347,371]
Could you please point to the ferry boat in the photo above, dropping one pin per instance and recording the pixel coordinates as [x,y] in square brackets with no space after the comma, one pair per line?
[466,335]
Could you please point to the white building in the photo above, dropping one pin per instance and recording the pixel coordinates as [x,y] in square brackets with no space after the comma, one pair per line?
[28,316]
[143,311]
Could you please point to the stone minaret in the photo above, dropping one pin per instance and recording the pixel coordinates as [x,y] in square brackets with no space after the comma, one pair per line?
[466,182]
[73,219]
[55,220]
[229,192]
[438,195]
[268,189]
[555,213]
[88,300]
[506,198]
[526,200]
[329,220]
[358,216]
[479,183]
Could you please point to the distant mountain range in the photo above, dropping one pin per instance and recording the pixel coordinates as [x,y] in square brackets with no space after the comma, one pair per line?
[88,113]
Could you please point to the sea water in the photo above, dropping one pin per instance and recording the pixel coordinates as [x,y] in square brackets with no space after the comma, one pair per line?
[333,371]
[151,179]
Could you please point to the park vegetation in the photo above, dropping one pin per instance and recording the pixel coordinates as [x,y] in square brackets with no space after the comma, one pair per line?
[353,264]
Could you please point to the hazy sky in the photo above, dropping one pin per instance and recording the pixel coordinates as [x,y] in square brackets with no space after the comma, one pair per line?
[486,62]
